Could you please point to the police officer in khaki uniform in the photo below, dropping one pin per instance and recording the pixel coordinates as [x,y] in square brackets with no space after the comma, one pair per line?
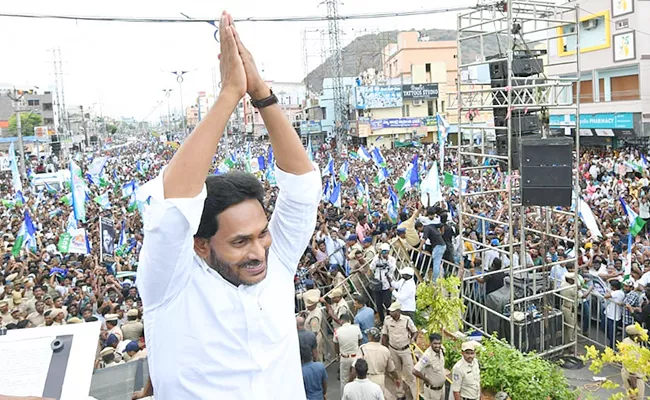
[352,246]
[107,358]
[398,333]
[633,381]
[338,308]
[112,326]
[347,339]
[5,314]
[132,328]
[431,369]
[314,320]
[569,292]
[380,362]
[466,375]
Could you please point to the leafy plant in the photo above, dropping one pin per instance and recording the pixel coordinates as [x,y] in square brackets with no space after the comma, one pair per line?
[439,306]
[635,359]
[452,352]
[522,376]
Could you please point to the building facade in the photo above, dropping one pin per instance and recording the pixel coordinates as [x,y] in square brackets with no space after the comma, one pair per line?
[614,72]
[400,103]
[291,98]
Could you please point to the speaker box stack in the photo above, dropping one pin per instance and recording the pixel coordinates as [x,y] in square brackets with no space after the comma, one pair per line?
[525,70]
[547,171]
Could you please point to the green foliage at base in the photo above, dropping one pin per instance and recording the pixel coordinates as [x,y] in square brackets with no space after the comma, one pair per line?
[522,376]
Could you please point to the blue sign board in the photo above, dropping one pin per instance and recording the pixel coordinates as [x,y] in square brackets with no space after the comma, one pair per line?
[376,124]
[369,97]
[595,121]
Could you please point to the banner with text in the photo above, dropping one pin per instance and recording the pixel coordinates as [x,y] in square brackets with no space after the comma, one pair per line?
[422,91]
[369,97]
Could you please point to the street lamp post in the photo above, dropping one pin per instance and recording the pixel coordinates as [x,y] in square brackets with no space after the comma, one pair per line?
[168,93]
[179,79]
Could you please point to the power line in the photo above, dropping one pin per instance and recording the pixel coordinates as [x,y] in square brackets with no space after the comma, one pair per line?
[248,19]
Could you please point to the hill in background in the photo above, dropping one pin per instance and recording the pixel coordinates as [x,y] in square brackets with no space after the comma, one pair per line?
[365,52]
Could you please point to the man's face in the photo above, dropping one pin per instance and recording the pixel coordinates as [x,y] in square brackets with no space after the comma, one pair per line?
[395,314]
[469,355]
[239,250]
[87,314]
[40,306]
[107,239]
[4,308]
[38,292]
[48,320]
[436,345]
[58,303]
[132,292]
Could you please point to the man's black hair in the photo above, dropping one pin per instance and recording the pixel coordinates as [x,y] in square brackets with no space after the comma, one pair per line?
[360,299]
[361,368]
[434,337]
[225,191]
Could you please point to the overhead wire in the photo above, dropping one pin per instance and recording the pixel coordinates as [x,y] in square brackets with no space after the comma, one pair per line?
[247,19]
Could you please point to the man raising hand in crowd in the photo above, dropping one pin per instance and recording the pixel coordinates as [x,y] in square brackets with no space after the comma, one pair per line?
[215,276]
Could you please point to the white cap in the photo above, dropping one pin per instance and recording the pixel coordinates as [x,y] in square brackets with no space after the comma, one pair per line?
[384,247]
[407,271]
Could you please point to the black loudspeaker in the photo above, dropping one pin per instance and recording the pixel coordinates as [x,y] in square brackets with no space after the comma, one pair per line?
[522,123]
[547,171]
[502,147]
[521,67]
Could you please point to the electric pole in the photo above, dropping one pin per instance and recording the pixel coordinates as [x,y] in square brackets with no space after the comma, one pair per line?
[16,97]
[180,79]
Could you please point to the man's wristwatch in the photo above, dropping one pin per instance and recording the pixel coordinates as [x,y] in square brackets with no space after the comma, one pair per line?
[265,102]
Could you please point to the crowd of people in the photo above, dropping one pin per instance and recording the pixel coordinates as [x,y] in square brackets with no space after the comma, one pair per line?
[360,234]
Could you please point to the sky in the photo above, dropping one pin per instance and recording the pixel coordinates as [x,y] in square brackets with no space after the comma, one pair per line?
[122,68]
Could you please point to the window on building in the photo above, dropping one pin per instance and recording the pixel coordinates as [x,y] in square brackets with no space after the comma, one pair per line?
[442,106]
[431,107]
[48,121]
[47,106]
[427,67]
[324,112]
[406,110]
[594,35]
[624,88]
[586,92]
[33,102]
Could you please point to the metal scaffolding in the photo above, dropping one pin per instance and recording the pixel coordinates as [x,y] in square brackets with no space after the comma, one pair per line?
[339,96]
[530,319]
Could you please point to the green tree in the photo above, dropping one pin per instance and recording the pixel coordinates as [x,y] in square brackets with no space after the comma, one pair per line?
[111,129]
[27,123]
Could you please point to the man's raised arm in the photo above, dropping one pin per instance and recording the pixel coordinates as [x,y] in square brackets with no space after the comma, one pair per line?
[294,215]
[185,175]
[287,147]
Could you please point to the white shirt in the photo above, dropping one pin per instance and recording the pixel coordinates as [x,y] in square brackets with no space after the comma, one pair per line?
[382,274]
[405,293]
[362,389]
[206,338]
[613,310]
